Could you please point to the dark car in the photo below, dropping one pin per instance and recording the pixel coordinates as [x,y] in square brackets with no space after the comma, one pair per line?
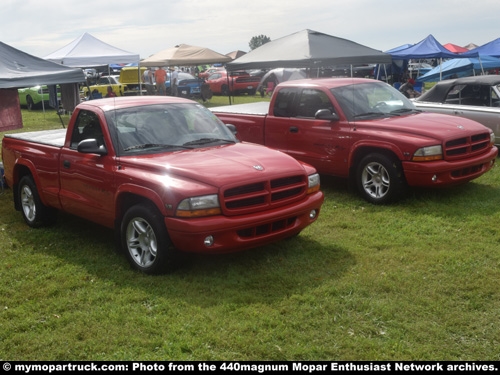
[476,98]
[189,86]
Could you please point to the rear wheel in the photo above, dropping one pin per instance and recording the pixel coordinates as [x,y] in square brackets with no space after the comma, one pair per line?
[145,240]
[380,178]
[34,212]
[29,103]
[224,90]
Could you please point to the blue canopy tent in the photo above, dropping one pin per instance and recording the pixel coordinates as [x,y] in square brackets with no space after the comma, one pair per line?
[460,67]
[489,49]
[428,48]
[395,68]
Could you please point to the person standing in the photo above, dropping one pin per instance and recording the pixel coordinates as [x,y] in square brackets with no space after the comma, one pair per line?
[147,78]
[160,77]
[174,81]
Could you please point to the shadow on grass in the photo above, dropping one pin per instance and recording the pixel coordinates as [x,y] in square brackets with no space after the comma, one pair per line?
[472,198]
[261,275]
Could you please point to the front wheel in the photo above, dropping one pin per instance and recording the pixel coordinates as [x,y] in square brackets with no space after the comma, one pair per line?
[145,240]
[380,178]
[34,212]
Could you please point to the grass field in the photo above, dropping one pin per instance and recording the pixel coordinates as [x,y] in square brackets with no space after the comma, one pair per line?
[417,280]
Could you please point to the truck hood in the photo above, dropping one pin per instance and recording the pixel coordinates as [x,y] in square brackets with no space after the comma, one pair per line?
[429,125]
[221,165]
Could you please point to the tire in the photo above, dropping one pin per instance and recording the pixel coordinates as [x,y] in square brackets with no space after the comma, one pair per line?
[29,103]
[380,178]
[145,240]
[34,212]
[224,90]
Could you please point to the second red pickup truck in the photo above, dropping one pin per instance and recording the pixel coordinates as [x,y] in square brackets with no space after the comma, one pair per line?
[367,131]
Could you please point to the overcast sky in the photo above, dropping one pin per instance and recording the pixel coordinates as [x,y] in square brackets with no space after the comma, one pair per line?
[40,27]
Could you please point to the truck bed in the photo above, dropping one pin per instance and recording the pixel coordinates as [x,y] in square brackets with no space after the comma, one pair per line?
[47,137]
[258,109]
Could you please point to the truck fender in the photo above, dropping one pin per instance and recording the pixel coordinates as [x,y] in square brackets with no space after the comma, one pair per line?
[362,148]
[20,164]
[128,194]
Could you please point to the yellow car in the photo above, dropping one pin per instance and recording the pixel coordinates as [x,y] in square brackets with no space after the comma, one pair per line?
[128,83]
[101,87]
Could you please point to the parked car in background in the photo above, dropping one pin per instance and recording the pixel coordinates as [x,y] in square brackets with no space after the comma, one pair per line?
[419,69]
[476,98]
[207,73]
[32,97]
[131,79]
[188,87]
[128,83]
[238,82]
[102,86]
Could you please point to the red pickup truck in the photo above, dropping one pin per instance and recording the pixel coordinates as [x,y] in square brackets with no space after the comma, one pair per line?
[367,131]
[166,174]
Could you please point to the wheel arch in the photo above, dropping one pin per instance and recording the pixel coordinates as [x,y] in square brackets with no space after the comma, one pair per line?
[22,169]
[362,150]
[131,196]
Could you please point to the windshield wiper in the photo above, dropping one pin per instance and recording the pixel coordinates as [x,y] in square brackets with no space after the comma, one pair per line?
[203,141]
[366,114]
[153,145]
[404,110]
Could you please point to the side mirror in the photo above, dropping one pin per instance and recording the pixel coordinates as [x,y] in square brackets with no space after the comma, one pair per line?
[90,146]
[232,128]
[326,114]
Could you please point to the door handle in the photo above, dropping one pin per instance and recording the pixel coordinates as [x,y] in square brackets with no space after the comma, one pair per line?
[294,129]
[66,164]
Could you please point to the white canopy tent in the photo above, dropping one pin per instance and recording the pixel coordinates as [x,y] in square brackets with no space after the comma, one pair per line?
[88,51]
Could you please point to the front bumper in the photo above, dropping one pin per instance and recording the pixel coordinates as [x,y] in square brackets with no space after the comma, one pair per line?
[231,234]
[444,173]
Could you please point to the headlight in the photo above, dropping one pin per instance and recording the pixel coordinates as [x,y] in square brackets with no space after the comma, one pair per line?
[313,183]
[428,153]
[205,205]
[492,139]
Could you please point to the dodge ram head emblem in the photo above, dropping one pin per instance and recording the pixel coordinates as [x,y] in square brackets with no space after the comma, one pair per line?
[258,167]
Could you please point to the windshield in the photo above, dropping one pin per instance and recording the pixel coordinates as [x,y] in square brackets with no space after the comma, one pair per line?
[371,100]
[165,127]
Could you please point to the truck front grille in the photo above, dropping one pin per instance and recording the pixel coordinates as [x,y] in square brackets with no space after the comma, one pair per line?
[263,195]
[466,146]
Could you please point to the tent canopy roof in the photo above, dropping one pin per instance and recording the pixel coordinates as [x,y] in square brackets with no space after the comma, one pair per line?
[427,48]
[307,49]
[460,67]
[489,49]
[185,54]
[88,51]
[19,69]
[454,48]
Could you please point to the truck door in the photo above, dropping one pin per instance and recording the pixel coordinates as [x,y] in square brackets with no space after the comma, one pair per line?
[321,143]
[87,179]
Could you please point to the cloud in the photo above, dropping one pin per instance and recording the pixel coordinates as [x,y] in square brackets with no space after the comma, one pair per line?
[147,27]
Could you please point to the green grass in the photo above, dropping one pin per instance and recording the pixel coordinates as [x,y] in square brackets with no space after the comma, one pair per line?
[417,280]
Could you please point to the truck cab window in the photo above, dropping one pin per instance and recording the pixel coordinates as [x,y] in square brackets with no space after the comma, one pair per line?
[311,101]
[87,126]
[283,105]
